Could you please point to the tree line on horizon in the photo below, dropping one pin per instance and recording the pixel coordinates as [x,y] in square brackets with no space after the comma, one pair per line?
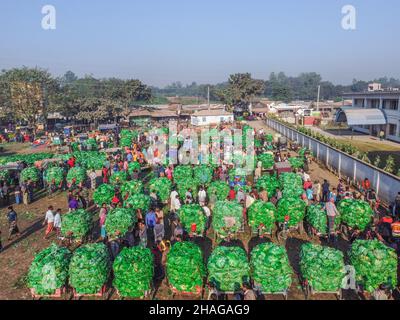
[29,94]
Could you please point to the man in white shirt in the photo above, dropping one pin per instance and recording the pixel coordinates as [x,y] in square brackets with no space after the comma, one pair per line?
[202,196]
[57,222]
[172,200]
[177,203]
[49,218]
[207,212]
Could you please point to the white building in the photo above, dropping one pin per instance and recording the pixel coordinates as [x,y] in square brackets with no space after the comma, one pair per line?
[208,117]
[386,103]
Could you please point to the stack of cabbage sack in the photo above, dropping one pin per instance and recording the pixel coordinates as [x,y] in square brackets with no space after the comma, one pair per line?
[90,160]
[162,187]
[29,159]
[133,272]
[89,268]
[185,267]
[31,173]
[322,267]
[375,264]
[292,207]
[296,162]
[228,268]
[227,218]
[77,173]
[190,214]
[119,177]
[268,183]
[262,215]
[292,185]
[119,221]
[317,218]
[355,213]
[219,189]
[131,187]
[55,174]
[103,194]
[138,201]
[76,224]
[270,268]
[203,174]
[49,270]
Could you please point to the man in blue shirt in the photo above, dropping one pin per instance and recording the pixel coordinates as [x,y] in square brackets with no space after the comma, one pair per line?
[12,222]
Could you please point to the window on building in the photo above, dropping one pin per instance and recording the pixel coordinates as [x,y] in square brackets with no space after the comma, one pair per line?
[204,119]
[392,129]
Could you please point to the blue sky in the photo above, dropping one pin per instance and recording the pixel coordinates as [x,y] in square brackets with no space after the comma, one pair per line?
[161,41]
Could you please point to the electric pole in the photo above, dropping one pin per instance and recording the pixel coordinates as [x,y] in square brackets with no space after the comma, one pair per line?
[319,91]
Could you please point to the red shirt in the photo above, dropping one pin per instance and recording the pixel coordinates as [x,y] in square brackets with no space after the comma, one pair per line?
[232,194]
[307,185]
[71,162]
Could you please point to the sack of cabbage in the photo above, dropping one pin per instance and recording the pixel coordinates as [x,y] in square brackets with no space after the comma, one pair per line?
[355,213]
[322,267]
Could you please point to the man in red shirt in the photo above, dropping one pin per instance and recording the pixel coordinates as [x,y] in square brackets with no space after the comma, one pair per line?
[71,162]
[307,184]
[232,194]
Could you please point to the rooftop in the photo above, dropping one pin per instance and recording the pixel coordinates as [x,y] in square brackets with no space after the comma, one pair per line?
[214,112]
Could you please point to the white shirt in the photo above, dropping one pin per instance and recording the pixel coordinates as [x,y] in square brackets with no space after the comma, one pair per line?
[306,176]
[49,216]
[202,195]
[57,220]
[207,211]
[177,204]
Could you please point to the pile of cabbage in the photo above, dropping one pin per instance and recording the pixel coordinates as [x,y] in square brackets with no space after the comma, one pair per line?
[30,173]
[185,267]
[118,178]
[220,189]
[133,272]
[261,215]
[161,187]
[270,268]
[227,218]
[90,160]
[292,207]
[267,160]
[29,159]
[296,162]
[375,264]
[53,173]
[203,174]
[104,194]
[77,173]
[317,218]
[90,268]
[292,184]
[355,213]
[119,221]
[138,201]
[76,224]
[322,267]
[268,183]
[190,214]
[131,187]
[228,268]
[49,270]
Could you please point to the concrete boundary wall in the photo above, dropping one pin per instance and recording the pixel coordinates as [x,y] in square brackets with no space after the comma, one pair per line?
[386,185]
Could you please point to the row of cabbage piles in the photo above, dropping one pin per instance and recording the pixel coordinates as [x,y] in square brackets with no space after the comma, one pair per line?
[88,269]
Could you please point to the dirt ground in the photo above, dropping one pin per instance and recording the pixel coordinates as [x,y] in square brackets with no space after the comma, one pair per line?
[19,252]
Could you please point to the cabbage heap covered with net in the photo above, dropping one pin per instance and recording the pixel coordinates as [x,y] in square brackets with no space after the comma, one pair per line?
[49,270]
[77,173]
[76,224]
[182,173]
[228,268]
[131,187]
[355,213]
[227,218]
[133,166]
[138,201]
[203,174]
[261,215]
[317,218]
[292,184]
[29,159]
[292,207]
[184,186]
[133,272]
[220,189]
[322,267]
[119,177]
[375,264]
[103,194]
[55,174]
[119,221]
[190,214]
[268,183]
[162,187]
[89,268]
[185,267]
[270,268]
[267,160]
[296,162]
[90,160]
[31,173]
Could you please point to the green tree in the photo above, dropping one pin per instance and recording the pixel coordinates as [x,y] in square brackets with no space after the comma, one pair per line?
[377,161]
[389,165]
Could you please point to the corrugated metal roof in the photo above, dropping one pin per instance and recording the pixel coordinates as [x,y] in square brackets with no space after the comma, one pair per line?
[361,116]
